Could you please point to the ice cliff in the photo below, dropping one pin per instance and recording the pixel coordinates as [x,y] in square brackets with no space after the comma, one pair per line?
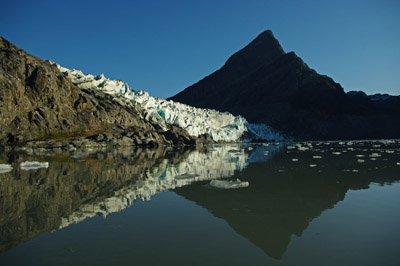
[221,126]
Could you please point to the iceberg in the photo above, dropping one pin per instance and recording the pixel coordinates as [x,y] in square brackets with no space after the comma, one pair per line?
[28,165]
[5,168]
[220,126]
[227,184]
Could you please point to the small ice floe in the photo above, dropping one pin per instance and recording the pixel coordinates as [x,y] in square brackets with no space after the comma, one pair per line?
[360,155]
[389,151]
[226,184]
[290,147]
[360,160]
[313,165]
[398,163]
[373,159]
[5,168]
[336,152]
[350,149]
[281,171]
[375,155]
[33,165]
[266,152]
[250,148]
[77,156]
[295,160]
[303,148]
[317,157]
[354,170]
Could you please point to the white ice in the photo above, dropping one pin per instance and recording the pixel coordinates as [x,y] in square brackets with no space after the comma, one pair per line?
[33,165]
[5,168]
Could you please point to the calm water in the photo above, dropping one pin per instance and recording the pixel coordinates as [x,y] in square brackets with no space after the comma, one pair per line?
[316,203]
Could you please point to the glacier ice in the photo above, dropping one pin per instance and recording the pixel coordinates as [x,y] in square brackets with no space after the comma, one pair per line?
[221,126]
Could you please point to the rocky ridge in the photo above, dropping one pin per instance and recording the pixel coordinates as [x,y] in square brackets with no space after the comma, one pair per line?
[264,84]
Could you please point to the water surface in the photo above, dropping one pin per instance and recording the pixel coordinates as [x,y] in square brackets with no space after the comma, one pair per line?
[316,203]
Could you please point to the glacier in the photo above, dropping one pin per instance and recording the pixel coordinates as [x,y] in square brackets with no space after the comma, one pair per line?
[220,126]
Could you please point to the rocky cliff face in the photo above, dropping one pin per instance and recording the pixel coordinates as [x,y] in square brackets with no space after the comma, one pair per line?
[38,102]
[266,85]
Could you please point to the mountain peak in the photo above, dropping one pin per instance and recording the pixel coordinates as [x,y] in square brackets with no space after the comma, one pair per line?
[262,50]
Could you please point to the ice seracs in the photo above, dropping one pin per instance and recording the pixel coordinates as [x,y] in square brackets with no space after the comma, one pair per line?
[221,126]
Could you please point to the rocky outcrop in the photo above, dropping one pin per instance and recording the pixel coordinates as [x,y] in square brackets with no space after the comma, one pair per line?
[266,85]
[37,102]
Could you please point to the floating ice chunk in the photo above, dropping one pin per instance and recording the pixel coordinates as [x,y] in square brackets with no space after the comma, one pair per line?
[313,165]
[360,155]
[360,160]
[226,184]
[250,148]
[33,165]
[398,163]
[317,157]
[375,155]
[290,147]
[336,152]
[295,160]
[77,156]
[5,168]
[354,170]
[389,151]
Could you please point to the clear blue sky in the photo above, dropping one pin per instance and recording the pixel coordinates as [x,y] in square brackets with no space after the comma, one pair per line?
[165,46]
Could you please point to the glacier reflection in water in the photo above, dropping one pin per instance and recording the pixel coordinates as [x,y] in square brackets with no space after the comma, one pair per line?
[83,184]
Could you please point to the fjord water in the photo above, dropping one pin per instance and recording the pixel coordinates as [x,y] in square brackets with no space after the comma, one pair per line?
[316,203]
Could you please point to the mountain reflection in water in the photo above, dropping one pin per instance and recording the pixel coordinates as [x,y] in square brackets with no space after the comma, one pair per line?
[296,186]
[290,185]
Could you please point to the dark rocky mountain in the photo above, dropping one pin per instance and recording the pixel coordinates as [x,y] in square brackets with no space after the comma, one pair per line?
[266,85]
[37,102]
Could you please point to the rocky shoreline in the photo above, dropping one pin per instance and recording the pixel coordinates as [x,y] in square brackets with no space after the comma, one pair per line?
[125,139]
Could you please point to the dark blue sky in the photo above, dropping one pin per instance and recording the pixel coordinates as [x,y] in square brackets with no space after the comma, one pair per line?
[165,46]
